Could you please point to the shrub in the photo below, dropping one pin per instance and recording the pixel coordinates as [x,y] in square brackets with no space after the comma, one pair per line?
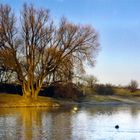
[133,86]
[63,90]
[102,89]
[10,88]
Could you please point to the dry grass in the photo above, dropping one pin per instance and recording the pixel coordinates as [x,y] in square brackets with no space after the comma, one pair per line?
[10,100]
[121,95]
[126,92]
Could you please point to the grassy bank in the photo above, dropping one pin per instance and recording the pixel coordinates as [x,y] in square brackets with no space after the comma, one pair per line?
[13,100]
[10,100]
[119,95]
[126,92]
[112,99]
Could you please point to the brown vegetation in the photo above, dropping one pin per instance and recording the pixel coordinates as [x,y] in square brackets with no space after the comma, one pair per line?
[65,90]
[40,52]
[133,86]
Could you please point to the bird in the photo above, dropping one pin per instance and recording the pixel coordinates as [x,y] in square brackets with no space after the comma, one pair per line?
[117,126]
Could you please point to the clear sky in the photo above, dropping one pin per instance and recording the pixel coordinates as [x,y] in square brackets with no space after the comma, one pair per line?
[118,25]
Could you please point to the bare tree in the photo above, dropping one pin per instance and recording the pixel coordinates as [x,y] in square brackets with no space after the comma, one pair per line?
[6,72]
[133,86]
[91,80]
[6,75]
[39,49]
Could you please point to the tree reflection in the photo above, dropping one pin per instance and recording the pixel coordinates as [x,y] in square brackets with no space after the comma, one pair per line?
[36,123]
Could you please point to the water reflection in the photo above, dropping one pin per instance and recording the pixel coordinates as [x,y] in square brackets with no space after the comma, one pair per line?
[72,123]
[34,123]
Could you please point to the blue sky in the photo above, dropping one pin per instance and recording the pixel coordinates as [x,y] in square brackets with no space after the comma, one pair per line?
[118,25]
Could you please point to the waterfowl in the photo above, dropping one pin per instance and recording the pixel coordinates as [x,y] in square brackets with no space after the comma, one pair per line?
[117,126]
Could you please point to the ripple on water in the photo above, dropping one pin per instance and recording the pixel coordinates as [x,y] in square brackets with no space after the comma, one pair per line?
[86,123]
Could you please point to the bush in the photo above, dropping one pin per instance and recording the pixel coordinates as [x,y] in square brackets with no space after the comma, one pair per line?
[10,88]
[104,89]
[64,90]
[133,86]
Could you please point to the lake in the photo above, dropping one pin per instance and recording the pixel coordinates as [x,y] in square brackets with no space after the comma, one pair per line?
[70,123]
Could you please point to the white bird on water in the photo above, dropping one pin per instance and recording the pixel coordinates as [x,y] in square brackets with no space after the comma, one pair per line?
[75,108]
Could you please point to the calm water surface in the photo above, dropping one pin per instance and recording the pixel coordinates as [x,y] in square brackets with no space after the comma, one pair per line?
[85,123]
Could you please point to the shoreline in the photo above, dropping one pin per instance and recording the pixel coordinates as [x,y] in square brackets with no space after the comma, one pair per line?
[17,101]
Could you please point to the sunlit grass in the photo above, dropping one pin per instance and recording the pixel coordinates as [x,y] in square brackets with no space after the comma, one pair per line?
[12,100]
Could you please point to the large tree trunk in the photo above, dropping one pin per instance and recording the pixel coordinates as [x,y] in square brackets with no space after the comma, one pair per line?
[30,92]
